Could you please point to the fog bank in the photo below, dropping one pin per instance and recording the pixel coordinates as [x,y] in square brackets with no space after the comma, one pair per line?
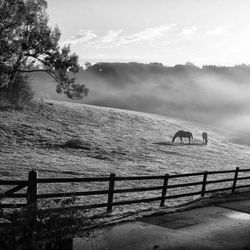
[211,94]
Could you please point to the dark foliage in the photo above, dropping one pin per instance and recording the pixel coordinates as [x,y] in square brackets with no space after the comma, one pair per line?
[121,74]
[46,228]
[28,44]
[21,92]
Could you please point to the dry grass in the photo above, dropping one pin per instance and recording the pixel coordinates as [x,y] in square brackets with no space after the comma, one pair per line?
[73,140]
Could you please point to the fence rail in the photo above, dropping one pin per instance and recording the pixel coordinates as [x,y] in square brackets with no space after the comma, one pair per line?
[201,188]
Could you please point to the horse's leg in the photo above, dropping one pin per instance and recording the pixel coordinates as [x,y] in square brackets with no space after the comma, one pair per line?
[189,139]
[181,139]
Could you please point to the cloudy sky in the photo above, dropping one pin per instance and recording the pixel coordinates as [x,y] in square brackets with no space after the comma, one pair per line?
[167,31]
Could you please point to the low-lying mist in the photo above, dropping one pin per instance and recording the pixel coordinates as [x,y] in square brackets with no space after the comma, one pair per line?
[214,95]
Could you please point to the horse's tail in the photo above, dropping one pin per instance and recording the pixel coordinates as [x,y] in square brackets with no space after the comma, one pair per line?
[175,136]
[192,137]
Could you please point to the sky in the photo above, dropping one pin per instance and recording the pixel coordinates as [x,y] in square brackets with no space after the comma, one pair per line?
[167,31]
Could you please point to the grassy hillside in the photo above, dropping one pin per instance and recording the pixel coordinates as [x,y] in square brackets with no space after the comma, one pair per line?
[112,140]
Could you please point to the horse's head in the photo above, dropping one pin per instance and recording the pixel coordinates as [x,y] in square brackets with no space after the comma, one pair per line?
[191,136]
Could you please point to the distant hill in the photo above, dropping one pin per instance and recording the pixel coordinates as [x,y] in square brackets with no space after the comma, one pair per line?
[210,94]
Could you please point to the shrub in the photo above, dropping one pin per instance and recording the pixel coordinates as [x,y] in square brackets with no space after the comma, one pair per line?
[46,228]
[71,143]
[76,144]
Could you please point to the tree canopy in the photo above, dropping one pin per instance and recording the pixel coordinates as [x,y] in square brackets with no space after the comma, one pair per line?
[28,44]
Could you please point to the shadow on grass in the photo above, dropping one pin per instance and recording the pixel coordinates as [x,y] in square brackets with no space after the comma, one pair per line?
[10,108]
[178,144]
[71,143]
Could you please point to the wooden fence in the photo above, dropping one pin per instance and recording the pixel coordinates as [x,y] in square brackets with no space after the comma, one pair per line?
[201,188]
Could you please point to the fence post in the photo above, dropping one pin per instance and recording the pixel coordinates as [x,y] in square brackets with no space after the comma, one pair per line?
[164,189]
[235,179]
[32,188]
[204,183]
[111,192]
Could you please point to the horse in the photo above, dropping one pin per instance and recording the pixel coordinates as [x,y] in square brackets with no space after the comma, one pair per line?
[183,134]
[204,138]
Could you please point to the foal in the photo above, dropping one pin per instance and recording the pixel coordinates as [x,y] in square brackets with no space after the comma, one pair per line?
[204,137]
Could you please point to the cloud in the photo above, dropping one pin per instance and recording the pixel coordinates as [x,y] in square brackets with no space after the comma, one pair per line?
[107,41]
[81,37]
[111,36]
[115,38]
[189,33]
[146,35]
[220,30]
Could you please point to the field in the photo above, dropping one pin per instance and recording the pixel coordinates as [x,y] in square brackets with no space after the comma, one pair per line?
[112,141]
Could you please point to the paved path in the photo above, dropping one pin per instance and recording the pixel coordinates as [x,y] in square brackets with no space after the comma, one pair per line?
[225,225]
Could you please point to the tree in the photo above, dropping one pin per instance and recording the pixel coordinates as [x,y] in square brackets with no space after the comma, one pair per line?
[28,44]
[87,65]
[21,93]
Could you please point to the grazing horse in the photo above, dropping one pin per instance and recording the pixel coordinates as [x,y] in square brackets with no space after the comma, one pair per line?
[204,137]
[183,134]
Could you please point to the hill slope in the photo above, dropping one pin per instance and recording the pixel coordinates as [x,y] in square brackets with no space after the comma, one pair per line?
[119,141]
